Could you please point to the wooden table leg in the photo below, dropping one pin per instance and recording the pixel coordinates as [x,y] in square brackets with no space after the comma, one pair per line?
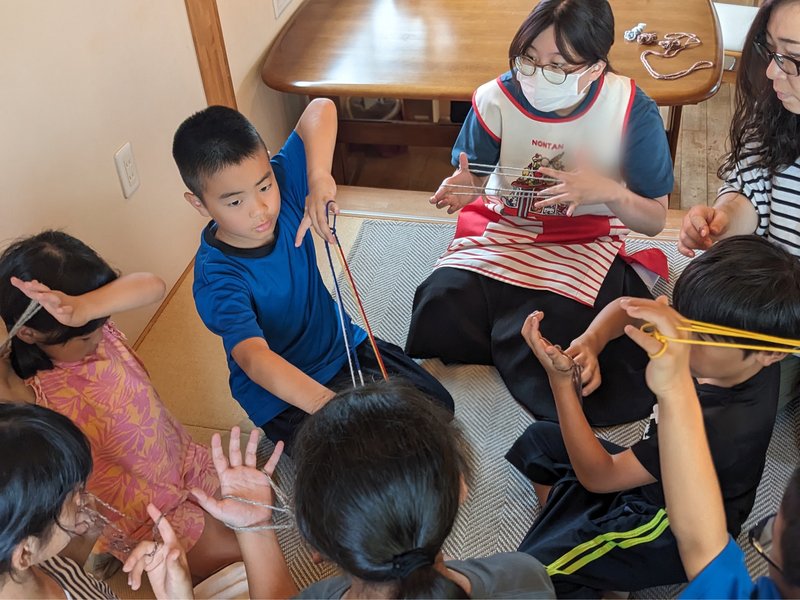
[673,129]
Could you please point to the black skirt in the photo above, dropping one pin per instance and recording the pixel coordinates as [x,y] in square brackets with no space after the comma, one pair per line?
[462,317]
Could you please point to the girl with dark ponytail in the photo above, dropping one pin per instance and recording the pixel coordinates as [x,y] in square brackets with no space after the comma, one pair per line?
[381,472]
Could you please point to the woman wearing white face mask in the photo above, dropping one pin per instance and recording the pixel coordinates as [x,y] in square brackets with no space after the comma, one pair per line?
[574,156]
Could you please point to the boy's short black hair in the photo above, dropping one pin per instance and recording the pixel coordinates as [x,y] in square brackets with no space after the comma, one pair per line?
[745,282]
[210,140]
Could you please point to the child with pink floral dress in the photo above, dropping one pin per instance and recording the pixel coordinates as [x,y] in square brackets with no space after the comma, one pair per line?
[77,363]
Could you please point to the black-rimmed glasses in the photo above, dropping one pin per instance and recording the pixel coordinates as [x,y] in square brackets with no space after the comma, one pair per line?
[760,537]
[527,66]
[787,64]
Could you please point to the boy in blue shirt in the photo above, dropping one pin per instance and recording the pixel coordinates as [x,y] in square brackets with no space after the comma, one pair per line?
[256,281]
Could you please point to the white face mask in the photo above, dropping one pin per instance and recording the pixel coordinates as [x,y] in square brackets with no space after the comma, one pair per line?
[546,96]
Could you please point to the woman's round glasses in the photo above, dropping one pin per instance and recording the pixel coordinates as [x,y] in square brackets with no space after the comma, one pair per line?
[787,64]
[760,537]
[527,66]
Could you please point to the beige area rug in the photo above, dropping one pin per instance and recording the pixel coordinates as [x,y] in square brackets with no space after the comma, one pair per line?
[388,260]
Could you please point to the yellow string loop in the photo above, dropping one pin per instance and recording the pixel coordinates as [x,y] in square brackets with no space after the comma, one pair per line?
[785,345]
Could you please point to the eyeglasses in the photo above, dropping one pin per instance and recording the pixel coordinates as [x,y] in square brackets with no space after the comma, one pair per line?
[527,66]
[787,64]
[760,537]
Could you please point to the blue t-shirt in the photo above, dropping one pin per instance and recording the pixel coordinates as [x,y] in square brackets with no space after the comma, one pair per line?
[726,577]
[273,292]
[646,162]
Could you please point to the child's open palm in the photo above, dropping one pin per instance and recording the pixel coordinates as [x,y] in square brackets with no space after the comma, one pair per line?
[246,492]
[557,364]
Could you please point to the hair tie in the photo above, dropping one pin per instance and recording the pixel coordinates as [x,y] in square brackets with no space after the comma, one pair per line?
[406,563]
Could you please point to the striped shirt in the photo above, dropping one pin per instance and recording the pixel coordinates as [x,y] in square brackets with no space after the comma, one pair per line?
[776,199]
[76,583]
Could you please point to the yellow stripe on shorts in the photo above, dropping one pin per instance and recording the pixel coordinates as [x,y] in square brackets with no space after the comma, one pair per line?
[587,552]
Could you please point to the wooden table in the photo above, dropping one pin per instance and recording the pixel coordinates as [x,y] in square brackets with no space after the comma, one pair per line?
[445,49]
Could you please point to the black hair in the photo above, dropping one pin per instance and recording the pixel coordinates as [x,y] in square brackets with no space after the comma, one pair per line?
[46,458]
[745,282]
[61,262]
[760,120]
[790,538]
[211,140]
[584,30]
[379,476]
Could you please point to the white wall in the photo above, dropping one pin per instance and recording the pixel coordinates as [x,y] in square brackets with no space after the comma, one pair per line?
[78,80]
[249,27]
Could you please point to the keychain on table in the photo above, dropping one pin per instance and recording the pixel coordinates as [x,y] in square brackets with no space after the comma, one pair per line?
[673,43]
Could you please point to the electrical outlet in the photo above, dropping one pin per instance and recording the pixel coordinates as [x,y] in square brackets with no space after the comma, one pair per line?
[127,170]
[280,6]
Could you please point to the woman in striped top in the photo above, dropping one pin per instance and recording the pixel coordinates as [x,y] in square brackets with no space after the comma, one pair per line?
[761,174]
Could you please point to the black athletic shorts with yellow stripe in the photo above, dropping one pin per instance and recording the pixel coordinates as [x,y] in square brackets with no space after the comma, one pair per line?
[592,542]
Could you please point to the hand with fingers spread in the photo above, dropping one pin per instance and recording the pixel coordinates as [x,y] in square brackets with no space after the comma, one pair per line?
[557,364]
[164,562]
[583,185]
[320,200]
[460,189]
[240,478]
[702,225]
[583,350]
[67,310]
[668,369]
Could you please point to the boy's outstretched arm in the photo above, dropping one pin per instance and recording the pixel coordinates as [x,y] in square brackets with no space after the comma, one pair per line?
[317,128]
[280,377]
[125,293]
[609,324]
[596,469]
[694,500]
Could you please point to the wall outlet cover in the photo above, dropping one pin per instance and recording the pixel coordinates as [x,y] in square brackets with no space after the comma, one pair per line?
[127,170]
[280,6]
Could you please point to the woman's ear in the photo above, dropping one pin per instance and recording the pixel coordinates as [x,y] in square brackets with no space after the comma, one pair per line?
[22,557]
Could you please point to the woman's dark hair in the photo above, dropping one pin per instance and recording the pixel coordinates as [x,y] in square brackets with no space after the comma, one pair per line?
[45,459]
[61,262]
[379,477]
[584,30]
[790,538]
[745,282]
[760,122]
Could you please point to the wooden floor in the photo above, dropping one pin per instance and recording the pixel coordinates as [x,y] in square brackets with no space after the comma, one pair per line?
[702,141]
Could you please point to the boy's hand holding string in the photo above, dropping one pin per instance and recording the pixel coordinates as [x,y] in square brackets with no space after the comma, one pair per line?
[596,469]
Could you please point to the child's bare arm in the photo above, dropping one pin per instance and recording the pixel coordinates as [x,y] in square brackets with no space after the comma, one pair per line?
[268,575]
[278,376]
[596,469]
[609,324]
[125,293]
[317,128]
[691,488]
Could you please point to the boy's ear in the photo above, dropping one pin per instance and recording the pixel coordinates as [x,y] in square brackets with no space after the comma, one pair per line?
[196,203]
[768,358]
[463,490]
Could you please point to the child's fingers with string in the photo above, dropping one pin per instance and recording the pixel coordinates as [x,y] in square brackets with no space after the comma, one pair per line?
[272,462]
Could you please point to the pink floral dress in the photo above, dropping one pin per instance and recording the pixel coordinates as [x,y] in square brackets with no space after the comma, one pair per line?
[141,453]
